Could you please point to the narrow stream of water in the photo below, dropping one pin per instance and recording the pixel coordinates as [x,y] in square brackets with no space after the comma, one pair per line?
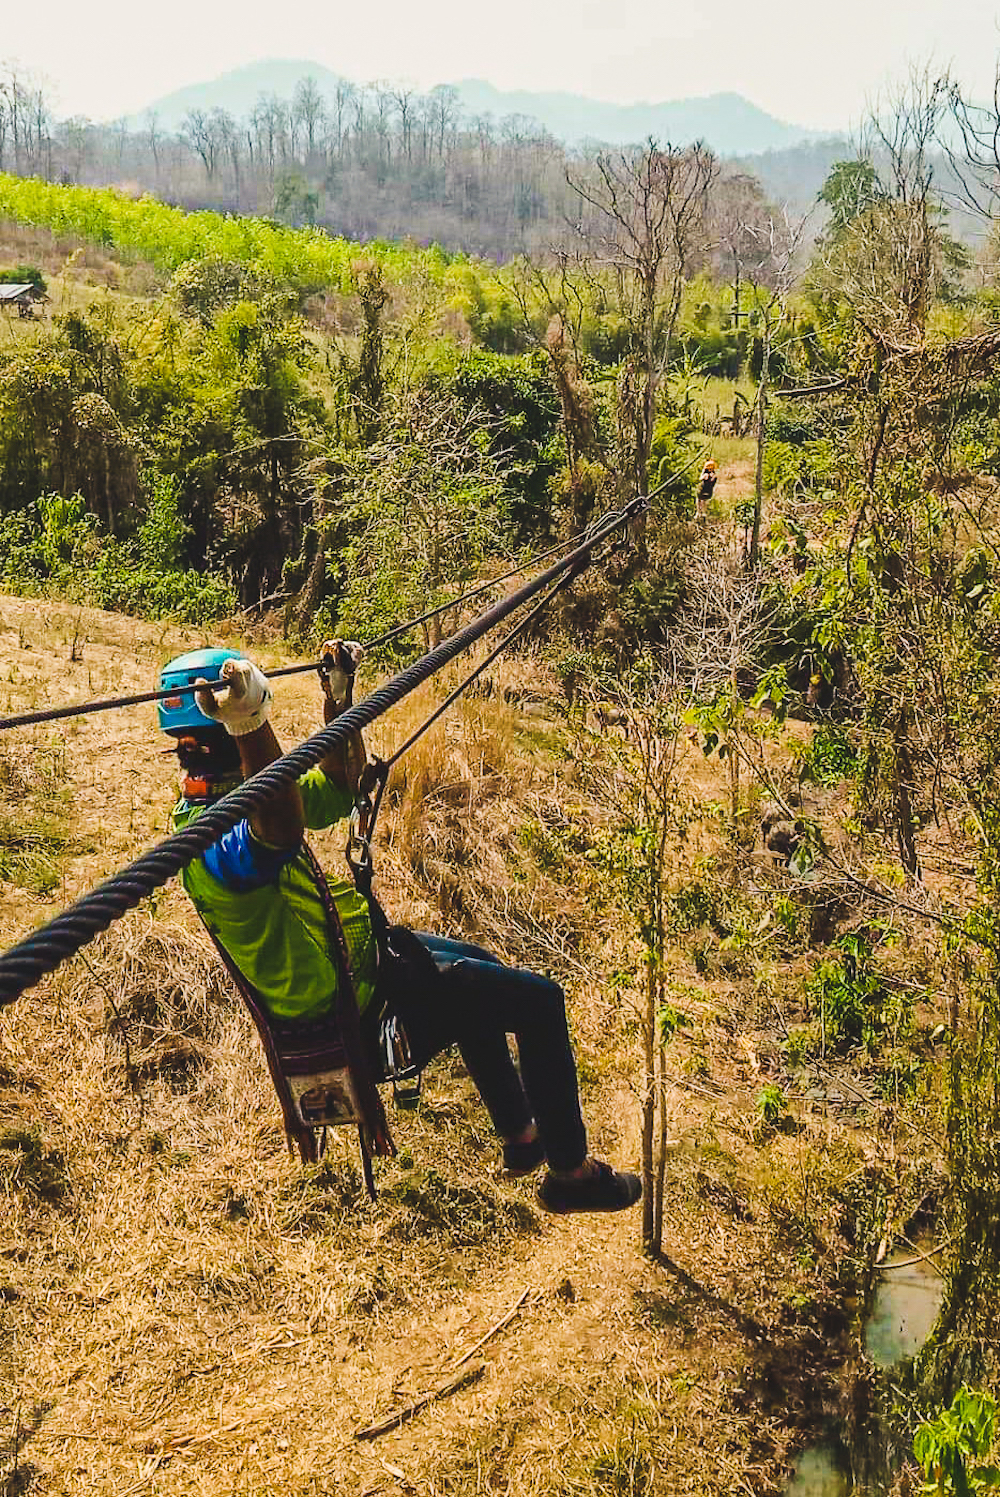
[818,1473]
[905,1306]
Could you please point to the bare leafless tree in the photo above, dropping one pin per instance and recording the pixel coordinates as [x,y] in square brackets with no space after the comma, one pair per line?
[310,112]
[722,639]
[886,259]
[641,227]
[777,245]
[740,221]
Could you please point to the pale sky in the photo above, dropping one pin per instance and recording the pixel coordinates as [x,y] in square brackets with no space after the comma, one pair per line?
[815,64]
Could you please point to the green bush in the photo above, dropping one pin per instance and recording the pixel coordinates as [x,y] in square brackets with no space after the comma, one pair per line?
[522,412]
[694,905]
[949,1446]
[672,451]
[976,442]
[791,469]
[792,422]
[63,551]
[771,1105]
[24,275]
[849,995]
[829,758]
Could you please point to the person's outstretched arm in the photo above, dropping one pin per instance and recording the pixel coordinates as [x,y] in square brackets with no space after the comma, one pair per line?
[344,763]
[243,708]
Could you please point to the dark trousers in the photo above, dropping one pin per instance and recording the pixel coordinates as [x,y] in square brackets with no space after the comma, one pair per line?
[475,1004]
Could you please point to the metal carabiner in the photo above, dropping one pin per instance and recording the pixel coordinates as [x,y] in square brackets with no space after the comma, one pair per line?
[358,851]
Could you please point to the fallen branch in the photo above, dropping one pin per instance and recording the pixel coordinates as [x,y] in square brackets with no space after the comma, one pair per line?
[692,1086]
[505,1320]
[927,1257]
[278,597]
[453,1385]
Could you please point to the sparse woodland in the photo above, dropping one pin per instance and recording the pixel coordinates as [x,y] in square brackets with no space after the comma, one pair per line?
[368,162]
[739,792]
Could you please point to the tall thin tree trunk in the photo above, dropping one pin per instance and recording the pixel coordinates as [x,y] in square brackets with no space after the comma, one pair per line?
[649,1106]
[758,491]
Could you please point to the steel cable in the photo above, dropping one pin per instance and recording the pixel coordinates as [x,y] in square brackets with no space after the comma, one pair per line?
[44,949]
[82,709]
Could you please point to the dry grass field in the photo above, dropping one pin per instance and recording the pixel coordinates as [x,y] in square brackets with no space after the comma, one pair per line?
[185,1310]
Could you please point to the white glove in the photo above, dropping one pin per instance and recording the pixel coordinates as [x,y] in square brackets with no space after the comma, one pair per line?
[340,659]
[245,704]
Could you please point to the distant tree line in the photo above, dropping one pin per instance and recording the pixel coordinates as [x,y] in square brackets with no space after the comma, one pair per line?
[367,162]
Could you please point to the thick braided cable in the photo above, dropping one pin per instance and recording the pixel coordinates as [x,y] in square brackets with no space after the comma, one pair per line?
[83,709]
[30,959]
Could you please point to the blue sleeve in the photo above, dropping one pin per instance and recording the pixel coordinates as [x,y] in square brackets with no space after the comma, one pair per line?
[242,863]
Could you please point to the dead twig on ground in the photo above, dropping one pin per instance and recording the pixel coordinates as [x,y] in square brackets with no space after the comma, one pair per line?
[494,1329]
[454,1384]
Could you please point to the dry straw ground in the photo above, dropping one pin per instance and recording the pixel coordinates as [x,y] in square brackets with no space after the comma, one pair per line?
[185,1310]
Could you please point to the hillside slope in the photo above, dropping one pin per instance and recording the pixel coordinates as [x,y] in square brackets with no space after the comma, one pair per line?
[186,1310]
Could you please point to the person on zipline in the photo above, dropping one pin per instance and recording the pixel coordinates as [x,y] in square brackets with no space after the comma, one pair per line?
[255,892]
[706,487]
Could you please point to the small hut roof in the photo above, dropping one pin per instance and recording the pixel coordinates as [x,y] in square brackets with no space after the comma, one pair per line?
[13,292]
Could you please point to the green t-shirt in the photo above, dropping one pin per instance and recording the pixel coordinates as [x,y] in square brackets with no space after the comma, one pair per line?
[277,934]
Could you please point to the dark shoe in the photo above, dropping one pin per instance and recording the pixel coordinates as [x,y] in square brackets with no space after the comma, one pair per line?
[523,1158]
[602,1189]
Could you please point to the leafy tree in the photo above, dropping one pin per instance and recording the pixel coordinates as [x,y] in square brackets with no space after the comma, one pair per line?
[642,223]
[850,190]
[295,203]
[24,275]
[260,357]
[522,413]
[203,287]
[422,511]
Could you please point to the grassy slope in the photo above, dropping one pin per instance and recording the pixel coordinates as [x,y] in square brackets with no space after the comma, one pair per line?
[184,1310]
[185,1307]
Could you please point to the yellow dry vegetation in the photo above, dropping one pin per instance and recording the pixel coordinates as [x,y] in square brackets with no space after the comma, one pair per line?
[185,1310]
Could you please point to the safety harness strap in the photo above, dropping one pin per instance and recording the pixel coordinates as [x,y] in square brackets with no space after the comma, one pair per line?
[296,1131]
[376,1134]
[402,961]
[320,1068]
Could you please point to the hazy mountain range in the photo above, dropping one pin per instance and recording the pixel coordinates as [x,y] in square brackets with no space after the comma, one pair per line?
[728,122]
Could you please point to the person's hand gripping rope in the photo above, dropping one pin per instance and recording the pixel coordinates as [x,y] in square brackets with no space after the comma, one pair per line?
[339,659]
[244,704]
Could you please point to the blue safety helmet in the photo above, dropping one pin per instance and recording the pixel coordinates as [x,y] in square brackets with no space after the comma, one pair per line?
[181,714]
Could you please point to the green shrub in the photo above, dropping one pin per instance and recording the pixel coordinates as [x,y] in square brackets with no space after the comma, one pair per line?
[24,275]
[976,441]
[690,906]
[799,1043]
[850,997]
[829,758]
[64,552]
[770,1105]
[671,451]
[791,469]
[948,1446]
[792,422]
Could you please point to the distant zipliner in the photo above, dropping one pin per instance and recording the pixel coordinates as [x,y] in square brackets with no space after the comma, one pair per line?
[706,487]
